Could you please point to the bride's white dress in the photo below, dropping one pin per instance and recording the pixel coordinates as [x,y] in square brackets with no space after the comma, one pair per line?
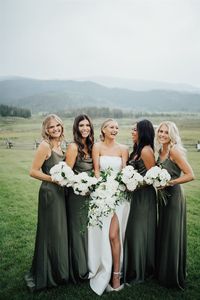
[99,249]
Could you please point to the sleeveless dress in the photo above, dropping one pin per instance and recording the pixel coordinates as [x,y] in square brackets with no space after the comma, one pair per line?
[50,262]
[140,238]
[99,248]
[171,243]
[77,227]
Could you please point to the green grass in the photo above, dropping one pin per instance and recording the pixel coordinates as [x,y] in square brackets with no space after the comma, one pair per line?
[18,207]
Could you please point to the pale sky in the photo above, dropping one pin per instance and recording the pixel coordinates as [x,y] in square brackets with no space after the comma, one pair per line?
[68,39]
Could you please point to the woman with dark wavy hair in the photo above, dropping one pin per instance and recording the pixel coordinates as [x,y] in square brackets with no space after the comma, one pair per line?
[79,158]
[139,262]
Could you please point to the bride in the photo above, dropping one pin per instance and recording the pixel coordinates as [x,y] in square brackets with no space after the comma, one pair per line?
[105,246]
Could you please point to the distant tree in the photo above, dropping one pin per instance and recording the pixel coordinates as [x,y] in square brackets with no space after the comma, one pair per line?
[12,111]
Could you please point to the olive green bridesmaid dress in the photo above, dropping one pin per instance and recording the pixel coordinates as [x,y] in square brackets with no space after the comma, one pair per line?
[77,227]
[171,243]
[140,238]
[50,265]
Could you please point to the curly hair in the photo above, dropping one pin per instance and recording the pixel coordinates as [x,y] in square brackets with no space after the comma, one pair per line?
[78,137]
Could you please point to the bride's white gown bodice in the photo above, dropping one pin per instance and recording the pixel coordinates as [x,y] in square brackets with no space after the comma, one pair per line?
[99,249]
[115,162]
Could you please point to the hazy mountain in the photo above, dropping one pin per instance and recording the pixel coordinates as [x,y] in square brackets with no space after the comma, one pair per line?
[54,95]
[141,85]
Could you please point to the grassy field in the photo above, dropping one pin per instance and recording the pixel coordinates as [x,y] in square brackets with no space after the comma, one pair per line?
[18,207]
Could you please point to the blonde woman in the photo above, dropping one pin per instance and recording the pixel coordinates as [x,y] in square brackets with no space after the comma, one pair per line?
[50,260]
[171,243]
[105,250]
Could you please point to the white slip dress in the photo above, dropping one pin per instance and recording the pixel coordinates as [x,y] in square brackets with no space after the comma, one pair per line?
[99,248]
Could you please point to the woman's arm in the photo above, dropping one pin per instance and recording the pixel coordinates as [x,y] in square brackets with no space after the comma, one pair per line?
[180,160]
[95,158]
[147,155]
[125,155]
[71,154]
[42,153]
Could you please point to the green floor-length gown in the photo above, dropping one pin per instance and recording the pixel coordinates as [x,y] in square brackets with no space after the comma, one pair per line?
[171,243]
[77,227]
[50,265]
[140,238]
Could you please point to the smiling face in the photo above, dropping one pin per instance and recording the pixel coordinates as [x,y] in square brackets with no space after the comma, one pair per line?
[135,134]
[84,128]
[111,130]
[54,129]
[163,135]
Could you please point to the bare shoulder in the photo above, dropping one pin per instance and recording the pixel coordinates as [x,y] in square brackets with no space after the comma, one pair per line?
[97,146]
[123,148]
[72,147]
[44,146]
[175,153]
[146,150]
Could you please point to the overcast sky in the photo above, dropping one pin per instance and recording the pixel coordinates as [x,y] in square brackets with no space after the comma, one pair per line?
[67,39]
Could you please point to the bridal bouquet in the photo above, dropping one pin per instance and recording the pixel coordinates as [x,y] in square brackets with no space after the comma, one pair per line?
[159,178]
[83,184]
[105,197]
[62,173]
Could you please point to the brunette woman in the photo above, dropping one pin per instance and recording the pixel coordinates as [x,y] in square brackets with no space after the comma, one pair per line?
[79,158]
[140,238]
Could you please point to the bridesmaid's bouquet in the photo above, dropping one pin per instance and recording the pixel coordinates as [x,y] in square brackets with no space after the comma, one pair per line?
[131,178]
[159,178]
[83,183]
[62,174]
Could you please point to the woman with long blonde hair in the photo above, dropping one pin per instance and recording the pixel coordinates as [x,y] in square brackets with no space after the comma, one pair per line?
[171,238]
[50,261]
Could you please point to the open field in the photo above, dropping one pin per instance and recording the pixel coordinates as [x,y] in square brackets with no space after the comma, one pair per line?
[18,207]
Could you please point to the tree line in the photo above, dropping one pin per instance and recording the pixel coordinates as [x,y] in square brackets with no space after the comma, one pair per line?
[106,112]
[12,111]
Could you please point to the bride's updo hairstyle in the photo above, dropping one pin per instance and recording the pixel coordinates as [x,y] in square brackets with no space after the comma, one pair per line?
[175,139]
[104,125]
[45,125]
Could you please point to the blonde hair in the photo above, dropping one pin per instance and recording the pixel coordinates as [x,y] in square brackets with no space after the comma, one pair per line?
[104,125]
[175,139]
[45,125]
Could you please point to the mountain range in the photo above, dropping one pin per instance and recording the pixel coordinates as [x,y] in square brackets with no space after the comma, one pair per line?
[135,95]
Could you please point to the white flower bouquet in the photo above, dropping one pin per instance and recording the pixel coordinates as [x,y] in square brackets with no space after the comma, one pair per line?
[62,174]
[131,178]
[83,183]
[159,178]
[104,198]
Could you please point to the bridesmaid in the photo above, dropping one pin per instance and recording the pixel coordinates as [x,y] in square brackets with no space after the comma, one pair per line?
[78,157]
[140,237]
[171,244]
[50,261]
